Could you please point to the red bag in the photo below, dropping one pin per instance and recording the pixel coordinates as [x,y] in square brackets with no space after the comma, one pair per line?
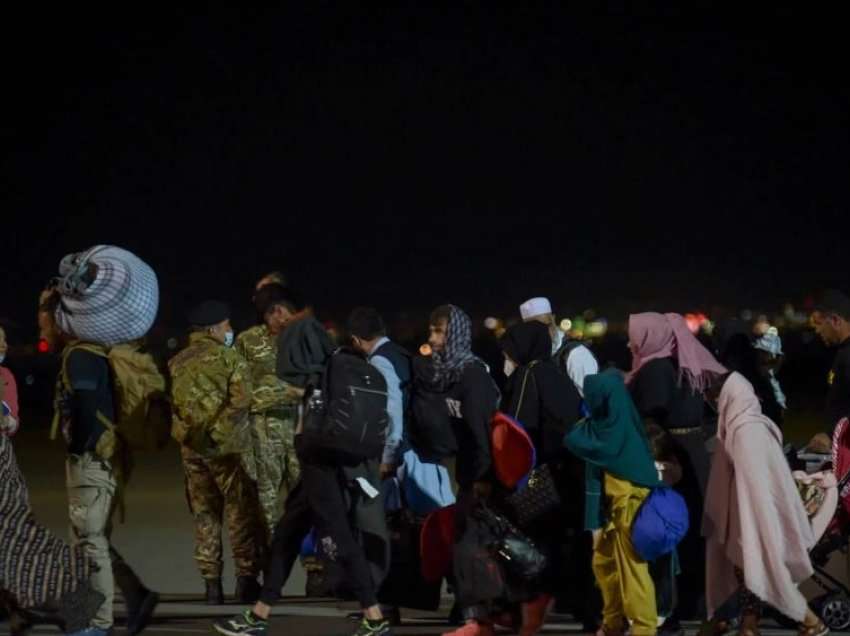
[436,544]
[512,450]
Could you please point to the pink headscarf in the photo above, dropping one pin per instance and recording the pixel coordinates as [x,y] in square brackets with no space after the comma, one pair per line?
[653,335]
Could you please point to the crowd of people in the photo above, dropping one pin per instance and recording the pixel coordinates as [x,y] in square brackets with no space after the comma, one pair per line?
[596,447]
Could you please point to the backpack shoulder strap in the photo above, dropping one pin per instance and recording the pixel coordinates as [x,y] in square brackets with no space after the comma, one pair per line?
[567,348]
[89,347]
[65,380]
[528,372]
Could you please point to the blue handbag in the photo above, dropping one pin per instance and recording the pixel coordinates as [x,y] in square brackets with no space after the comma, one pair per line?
[661,523]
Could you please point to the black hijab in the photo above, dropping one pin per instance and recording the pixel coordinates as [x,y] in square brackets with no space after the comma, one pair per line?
[549,404]
[527,342]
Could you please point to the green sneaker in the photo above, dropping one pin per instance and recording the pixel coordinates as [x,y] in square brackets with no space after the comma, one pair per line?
[244,624]
[367,628]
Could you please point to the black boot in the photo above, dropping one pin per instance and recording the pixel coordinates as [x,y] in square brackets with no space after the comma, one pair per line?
[141,612]
[247,589]
[215,593]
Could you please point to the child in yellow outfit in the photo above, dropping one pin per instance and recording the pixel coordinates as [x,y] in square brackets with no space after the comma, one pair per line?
[620,469]
[627,588]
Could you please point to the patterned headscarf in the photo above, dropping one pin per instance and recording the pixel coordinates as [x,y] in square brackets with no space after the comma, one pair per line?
[457,354]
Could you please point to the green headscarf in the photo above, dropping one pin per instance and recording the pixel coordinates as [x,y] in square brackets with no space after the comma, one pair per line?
[612,439]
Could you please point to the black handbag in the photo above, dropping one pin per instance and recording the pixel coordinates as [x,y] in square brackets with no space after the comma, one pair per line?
[540,495]
[517,553]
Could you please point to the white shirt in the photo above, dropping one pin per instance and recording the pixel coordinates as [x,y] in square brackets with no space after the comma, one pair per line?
[581,363]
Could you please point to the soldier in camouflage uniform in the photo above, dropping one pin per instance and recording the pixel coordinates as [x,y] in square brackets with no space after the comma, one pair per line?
[211,394]
[272,463]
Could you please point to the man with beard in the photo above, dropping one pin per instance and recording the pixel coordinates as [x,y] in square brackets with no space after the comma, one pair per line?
[831,320]
[472,398]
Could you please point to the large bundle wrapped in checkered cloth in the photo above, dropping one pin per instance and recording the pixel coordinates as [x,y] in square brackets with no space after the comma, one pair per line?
[109,296]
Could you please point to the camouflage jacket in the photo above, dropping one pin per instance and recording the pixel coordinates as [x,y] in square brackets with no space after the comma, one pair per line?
[259,348]
[211,397]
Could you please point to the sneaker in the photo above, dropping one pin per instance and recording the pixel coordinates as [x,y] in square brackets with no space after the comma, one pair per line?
[242,624]
[367,628]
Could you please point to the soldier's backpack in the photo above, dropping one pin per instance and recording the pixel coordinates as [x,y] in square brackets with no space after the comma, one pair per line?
[346,419]
[142,413]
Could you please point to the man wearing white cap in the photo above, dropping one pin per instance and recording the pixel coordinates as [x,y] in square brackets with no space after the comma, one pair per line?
[581,597]
[571,356]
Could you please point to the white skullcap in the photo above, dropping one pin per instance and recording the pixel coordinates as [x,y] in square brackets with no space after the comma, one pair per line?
[535,307]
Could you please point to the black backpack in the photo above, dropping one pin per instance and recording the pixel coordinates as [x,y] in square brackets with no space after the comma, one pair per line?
[347,422]
[429,427]
[564,351]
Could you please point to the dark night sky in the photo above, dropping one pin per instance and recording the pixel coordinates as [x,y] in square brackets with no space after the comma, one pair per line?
[402,157]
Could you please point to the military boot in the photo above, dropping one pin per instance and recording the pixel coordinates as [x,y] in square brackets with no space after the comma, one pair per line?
[215,593]
[247,589]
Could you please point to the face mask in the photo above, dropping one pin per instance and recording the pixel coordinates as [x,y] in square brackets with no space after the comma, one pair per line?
[510,367]
[228,339]
[557,341]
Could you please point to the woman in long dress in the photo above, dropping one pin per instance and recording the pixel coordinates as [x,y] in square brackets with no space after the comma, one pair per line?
[758,534]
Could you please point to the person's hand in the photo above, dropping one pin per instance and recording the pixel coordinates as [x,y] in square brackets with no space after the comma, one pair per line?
[597,537]
[482,489]
[387,470]
[820,443]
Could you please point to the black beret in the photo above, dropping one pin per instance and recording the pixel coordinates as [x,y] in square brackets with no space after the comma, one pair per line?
[209,313]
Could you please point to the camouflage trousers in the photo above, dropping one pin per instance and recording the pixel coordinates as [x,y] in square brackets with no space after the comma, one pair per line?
[218,490]
[272,462]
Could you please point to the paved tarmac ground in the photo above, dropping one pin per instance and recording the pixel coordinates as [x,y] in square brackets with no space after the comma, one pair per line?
[157,540]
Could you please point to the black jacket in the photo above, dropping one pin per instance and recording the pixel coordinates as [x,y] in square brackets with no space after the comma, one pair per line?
[544,400]
[478,397]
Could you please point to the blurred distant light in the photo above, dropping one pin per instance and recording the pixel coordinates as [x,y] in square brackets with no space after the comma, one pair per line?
[566,325]
[596,329]
[708,327]
[30,379]
[788,311]
[491,323]
[692,322]
[746,315]
[425,350]
[172,343]
[43,346]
